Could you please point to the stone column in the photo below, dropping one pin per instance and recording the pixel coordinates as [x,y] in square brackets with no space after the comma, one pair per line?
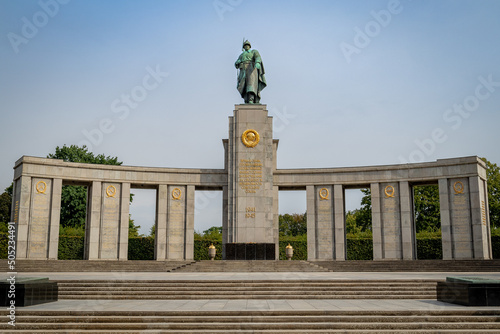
[161,223]
[311,223]
[124,221]
[325,228]
[109,231]
[276,220]
[386,221]
[226,233]
[339,219]
[460,214]
[189,230]
[39,221]
[55,218]
[250,164]
[378,244]
[408,235]
[21,214]
[92,226]
[176,223]
[481,237]
[444,208]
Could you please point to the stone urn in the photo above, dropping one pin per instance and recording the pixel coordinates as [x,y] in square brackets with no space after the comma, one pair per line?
[211,252]
[289,252]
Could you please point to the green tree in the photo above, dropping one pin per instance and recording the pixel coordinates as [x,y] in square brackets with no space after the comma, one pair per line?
[133,230]
[293,224]
[351,226]
[493,176]
[6,204]
[427,215]
[5,208]
[363,215]
[213,233]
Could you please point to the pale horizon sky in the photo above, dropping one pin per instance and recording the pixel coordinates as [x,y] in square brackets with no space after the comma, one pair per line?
[350,83]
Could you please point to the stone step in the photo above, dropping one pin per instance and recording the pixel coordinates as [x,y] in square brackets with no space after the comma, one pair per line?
[256,266]
[312,289]
[424,321]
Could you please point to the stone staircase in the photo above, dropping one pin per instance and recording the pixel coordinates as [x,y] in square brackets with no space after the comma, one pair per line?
[247,289]
[252,266]
[224,322]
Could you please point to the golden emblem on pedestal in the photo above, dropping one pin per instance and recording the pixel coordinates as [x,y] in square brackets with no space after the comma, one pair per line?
[41,187]
[458,187]
[389,191]
[176,193]
[250,138]
[324,193]
[110,191]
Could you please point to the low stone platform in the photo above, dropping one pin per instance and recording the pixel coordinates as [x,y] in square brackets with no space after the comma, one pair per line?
[28,291]
[469,291]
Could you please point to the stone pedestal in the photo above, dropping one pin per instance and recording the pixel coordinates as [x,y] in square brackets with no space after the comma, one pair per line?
[251,215]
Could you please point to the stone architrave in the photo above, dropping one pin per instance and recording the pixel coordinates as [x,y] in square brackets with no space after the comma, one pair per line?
[250,194]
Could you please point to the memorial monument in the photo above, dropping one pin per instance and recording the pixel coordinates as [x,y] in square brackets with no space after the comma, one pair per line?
[250,183]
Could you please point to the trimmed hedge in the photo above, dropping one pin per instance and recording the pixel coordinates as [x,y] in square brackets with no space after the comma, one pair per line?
[429,249]
[359,249]
[141,248]
[4,245]
[71,248]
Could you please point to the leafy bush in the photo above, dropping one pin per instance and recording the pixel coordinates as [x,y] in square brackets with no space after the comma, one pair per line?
[141,248]
[70,247]
[359,249]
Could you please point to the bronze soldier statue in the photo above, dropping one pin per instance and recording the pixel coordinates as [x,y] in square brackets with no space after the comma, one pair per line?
[251,78]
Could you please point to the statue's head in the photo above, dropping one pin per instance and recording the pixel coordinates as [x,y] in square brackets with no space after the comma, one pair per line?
[246,45]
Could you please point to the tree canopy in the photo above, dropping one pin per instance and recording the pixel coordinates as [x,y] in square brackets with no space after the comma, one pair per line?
[493,175]
[427,212]
[292,224]
[75,153]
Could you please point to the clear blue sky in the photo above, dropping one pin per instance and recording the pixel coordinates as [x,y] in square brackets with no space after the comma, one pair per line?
[350,83]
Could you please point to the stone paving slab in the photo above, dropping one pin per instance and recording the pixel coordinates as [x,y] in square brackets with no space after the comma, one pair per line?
[251,305]
[254,276]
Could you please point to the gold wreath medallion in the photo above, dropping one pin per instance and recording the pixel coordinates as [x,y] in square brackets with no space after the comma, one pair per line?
[389,191]
[324,193]
[111,191]
[458,187]
[250,138]
[41,187]
[176,194]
